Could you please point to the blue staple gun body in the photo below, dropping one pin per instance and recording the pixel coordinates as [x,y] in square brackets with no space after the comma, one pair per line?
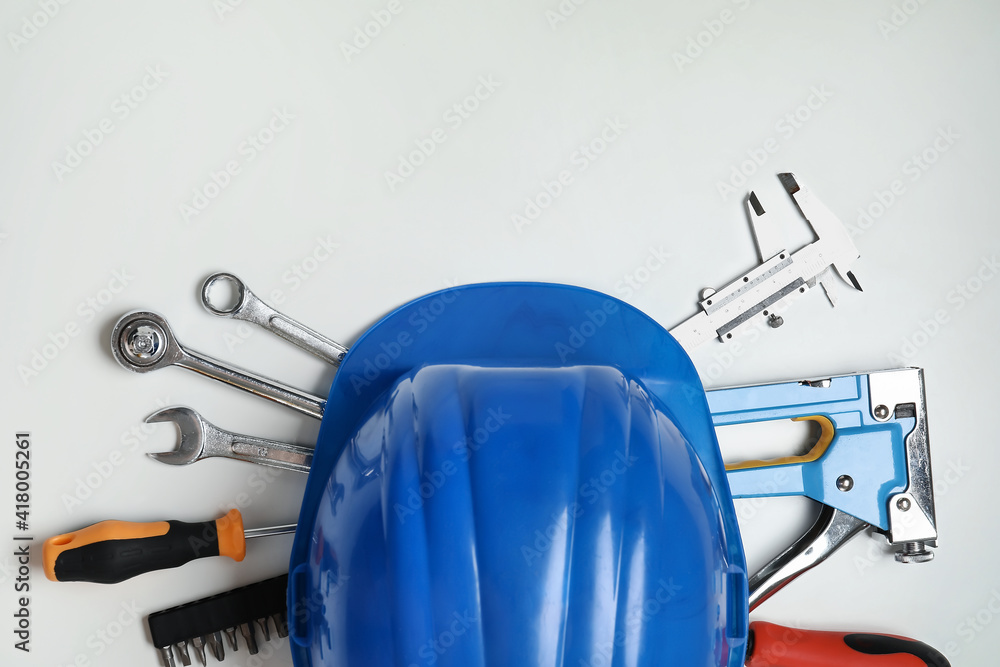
[870,466]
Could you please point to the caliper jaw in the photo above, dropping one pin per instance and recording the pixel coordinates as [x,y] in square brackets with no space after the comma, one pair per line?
[781,277]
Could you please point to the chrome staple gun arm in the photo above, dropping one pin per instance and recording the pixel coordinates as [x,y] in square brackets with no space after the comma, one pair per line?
[870,466]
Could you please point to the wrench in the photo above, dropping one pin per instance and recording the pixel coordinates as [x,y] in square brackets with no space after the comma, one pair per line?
[249,308]
[200,439]
[142,341]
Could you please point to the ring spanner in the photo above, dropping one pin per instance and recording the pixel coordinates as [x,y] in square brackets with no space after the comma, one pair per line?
[249,308]
[142,341]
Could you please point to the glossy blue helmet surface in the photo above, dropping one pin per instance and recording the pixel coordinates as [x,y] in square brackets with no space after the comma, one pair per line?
[499,483]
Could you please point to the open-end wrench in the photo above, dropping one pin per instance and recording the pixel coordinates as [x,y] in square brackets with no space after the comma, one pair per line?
[249,308]
[200,439]
[142,341]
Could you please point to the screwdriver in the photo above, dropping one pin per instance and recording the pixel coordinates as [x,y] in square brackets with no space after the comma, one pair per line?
[112,551]
[771,645]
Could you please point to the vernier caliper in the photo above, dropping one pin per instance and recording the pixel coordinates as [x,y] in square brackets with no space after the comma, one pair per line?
[780,277]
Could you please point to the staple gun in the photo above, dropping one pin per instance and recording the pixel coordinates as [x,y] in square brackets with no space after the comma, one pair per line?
[869,467]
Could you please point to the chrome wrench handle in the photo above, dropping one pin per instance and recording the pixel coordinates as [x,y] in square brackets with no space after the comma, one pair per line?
[142,341]
[270,453]
[254,384]
[249,308]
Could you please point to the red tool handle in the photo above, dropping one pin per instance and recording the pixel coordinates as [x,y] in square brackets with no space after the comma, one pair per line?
[777,646]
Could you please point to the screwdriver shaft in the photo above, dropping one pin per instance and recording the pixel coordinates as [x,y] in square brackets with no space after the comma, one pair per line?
[269,530]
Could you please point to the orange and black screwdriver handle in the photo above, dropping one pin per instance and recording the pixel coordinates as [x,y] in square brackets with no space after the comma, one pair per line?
[112,551]
[773,645]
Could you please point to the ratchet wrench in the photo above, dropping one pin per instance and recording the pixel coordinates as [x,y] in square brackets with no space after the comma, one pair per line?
[142,341]
[249,308]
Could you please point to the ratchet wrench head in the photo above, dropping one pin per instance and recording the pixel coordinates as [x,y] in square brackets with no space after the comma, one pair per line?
[193,430]
[142,341]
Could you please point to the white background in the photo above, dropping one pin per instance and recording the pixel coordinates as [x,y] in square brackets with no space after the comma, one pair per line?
[892,79]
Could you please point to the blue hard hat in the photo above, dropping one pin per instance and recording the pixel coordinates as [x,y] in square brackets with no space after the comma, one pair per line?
[511,475]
